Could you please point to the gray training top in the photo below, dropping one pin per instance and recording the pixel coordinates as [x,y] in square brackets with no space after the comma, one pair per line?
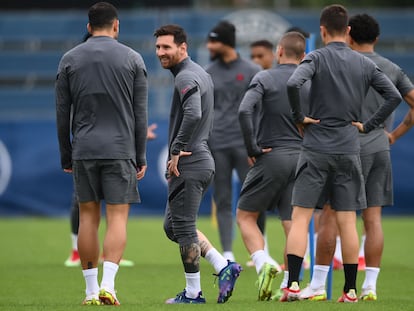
[340,81]
[231,81]
[267,94]
[377,140]
[105,82]
[191,118]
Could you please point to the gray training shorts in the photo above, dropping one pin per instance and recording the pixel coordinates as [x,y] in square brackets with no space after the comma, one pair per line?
[377,172]
[269,183]
[114,181]
[185,193]
[338,176]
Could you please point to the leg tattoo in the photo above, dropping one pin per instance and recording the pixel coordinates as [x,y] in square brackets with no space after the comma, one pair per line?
[190,256]
[204,246]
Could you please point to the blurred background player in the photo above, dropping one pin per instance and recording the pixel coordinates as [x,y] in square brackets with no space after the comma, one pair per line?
[262,53]
[274,151]
[231,76]
[376,166]
[74,259]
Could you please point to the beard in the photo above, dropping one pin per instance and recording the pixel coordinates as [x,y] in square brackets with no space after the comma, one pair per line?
[216,55]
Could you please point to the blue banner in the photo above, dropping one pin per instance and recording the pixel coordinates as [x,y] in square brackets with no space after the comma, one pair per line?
[32,182]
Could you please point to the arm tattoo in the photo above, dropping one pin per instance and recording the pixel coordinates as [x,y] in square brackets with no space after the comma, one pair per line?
[190,256]
[408,121]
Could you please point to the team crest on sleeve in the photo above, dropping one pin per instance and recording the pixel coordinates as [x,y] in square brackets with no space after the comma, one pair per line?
[185,89]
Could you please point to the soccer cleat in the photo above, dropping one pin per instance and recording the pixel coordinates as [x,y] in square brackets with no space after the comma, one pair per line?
[73,260]
[91,301]
[278,294]
[227,278]
[337,264]
[306,262]
[349,296]
[361,263]
[126,263]
[264,282]
[291,294]
[108,298]
[182,298]
[250,264]
[311,294]
[368,294]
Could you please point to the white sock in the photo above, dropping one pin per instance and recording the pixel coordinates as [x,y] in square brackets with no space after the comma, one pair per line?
[338,251]
[371,276]
[74,241]
[320,273]
[285,280]
[91,281]
[315,240]
[259,258]
[307,248]
[266,245]
[216,260]
[229,256]
[108,277]
[362,247]
[193,284]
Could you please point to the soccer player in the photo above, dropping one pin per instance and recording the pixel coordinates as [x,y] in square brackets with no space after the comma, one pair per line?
[330,156]
[261,53]
[274,151]
[376,165]
[231,76]
[74,259]
[107,155]
[190,166]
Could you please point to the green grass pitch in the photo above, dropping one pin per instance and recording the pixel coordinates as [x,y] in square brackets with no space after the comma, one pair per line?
[32,275]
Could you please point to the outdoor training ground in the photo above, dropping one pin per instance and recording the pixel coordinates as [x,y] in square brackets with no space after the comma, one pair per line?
[33,277]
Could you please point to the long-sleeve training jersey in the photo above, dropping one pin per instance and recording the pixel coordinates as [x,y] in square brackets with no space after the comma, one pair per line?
[105,84]
[231,81]
[377,140]
[191,117]
[267,94]
[340,81]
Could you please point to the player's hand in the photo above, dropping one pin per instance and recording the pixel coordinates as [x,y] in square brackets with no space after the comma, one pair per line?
[150,131]
[391,138]
[172,165]
[359,126]
[68,170]
[141,172]
[307,120]
[252,160]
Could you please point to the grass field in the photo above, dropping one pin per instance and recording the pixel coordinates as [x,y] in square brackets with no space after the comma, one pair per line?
[33,277]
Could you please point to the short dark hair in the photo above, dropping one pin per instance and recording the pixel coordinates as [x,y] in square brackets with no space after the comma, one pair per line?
[298,29]
[264,43]
[294,44]
[102,15]
[174,30]
[335,19]
[364,28]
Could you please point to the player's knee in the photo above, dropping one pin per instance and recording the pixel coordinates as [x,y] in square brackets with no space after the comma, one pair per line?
[169,231]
